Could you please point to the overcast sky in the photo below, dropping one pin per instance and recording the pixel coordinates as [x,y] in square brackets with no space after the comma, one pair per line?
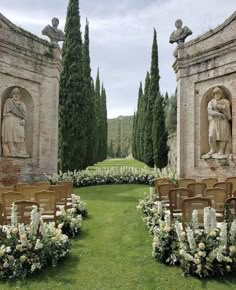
[121,35]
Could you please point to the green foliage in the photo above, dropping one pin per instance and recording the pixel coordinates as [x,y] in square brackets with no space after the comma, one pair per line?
[159,135]
[171,114]
[72,112]
[104,124]
[138,123]
[134,147]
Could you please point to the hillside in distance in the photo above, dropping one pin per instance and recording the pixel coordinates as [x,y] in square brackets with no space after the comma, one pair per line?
[120,136]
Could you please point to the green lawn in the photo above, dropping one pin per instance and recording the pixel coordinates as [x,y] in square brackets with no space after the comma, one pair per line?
[118,163]
[114,251]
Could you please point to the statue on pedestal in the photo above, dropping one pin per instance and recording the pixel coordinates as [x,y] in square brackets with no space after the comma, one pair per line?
[180,33]
[219,116]
[13,126]
[53,32]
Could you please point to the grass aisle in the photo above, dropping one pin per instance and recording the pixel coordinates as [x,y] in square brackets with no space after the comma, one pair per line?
[114,251]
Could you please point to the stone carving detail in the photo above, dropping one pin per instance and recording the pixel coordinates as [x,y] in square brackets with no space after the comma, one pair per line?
[53,32]
[13,126]
[219,116]
[179,35]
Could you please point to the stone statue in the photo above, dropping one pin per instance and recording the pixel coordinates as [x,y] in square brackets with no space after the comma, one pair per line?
[180,33]
[53,32]
[13,126]
[219,116]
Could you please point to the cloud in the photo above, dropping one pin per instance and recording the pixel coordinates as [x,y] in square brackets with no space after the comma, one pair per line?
[121,37]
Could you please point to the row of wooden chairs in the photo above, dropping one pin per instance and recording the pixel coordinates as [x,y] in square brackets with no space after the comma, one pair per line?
[199,203]
[229,184]
[49,200]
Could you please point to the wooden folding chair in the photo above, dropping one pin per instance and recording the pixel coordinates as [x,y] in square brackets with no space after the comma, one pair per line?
[20,185]
[23,211]
[184,182]
[226,185]
[29,192]
[233,181]
[61,194]
[218,197]
[197,188]
[47,201]
[194,203]
[8,199]
[176,196]
[69,188]
[5,189]
[209,182]
[163,191]
[231,201]
[42,185]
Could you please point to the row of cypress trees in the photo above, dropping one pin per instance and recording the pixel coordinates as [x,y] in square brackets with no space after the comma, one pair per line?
[149,142]
[82,106]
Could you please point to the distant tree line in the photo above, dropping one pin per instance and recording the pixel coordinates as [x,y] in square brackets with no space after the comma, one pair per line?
[82,105]
[150,135]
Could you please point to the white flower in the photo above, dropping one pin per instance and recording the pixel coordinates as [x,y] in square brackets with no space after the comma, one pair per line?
[207,219]
[195,219]
[5,265]
[8,250]
[233,231]
[232,249]
[14,214]
[191,240]
[167,219]
[223,234]
[201,246]
[22,259]
[212,234]
[228,268]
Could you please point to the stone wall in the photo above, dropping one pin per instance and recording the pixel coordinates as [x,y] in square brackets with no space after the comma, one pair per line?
[200,66]
[31,64]
[172,154]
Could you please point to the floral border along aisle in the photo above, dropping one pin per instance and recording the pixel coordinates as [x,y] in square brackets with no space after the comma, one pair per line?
[200,251]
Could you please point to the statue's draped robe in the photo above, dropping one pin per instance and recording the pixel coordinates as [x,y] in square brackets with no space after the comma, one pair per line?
[219,126]
[12,129]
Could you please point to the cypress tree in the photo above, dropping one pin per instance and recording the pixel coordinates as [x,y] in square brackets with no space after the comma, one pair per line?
[160,135]
[153,94]
[90,102]
[72,135]
[138,122]
[98,117]
[104,123]
[143,114]
[134,137]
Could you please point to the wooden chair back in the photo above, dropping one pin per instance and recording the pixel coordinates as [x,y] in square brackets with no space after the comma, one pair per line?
[8,199]
[231,201]
[176,196]
[24,209]
[184,182]
[197,188]
[227,186]
[4,189]
[1,214]
[42,185]
[69,187]
[20,185]
[233,181]
[47,201]
[209,182]
[218,197]
[194,203]
[163,191]
[29,192]
[61,194]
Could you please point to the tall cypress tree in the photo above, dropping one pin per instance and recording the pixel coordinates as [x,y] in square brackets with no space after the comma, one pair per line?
[72,135]
[153,94]
[90,102]
[98,117]
[138,122]
[134,138]
[160,135]
[104,123]
[143,115]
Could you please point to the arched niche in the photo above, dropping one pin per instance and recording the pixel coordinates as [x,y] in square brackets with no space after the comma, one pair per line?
[204,123]
[29,125]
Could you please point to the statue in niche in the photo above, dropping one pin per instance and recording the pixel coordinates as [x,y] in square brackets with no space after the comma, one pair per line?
[53,32]
[13,126]
[219,116]
[180,33]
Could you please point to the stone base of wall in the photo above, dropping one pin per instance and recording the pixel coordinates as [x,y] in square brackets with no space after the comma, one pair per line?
[14,170]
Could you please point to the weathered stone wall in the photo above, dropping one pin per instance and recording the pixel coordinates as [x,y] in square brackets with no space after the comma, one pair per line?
[204,63]
[172,154]
[29,63]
